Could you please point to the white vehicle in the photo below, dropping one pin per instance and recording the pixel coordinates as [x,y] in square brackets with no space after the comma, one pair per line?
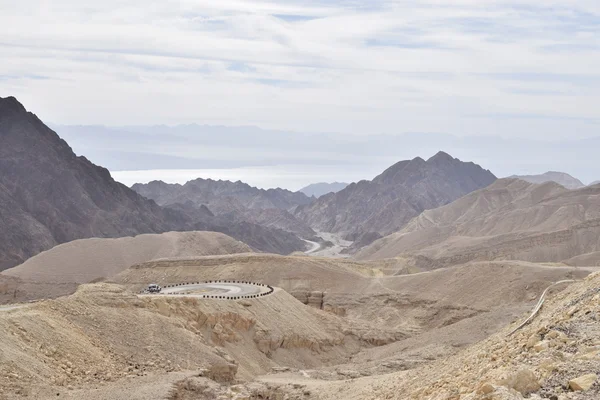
[153,288]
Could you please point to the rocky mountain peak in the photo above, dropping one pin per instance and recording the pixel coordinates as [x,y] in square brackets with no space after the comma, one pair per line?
[441,157]
[10,106]
[11,102]
[390,200]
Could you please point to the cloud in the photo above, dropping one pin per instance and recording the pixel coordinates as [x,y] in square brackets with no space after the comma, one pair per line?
[347,66]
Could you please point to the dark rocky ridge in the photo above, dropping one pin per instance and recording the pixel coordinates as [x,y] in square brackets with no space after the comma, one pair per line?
[49,195]
[384,205]
[207,191]
[236,202]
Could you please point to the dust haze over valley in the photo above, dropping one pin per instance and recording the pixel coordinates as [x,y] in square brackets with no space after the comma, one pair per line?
[299,200]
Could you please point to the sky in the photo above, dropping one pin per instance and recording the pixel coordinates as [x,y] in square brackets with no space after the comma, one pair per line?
[292,160]
[509,69]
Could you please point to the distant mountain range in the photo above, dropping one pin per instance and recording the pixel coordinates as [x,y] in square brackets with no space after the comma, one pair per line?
[48,195]
[235,202]
[210,192]
[594,183]
[319,189]
[561,178]
[388,202]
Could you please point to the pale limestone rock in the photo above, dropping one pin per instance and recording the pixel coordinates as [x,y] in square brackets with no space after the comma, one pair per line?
[503,393]
[583,383]
[224,372]
[560,336]
[533,340]
[486,388]
[541,346]
[524,382]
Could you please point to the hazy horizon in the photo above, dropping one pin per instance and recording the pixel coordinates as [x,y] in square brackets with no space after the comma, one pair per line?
[293,160]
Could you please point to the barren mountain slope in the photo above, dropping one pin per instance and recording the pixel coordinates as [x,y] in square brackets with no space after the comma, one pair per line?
[86,260]
[561,178]
[274,218]
[270,239]
[587,259]
[48,195]
[235,202]
[556,356]
[511,219]
[385,204]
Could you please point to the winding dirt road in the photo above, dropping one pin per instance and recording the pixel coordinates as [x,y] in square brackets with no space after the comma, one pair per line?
[12,307]
[315,247]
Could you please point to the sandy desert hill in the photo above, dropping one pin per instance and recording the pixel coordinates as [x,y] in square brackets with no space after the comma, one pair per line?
[510,219]
[86,260]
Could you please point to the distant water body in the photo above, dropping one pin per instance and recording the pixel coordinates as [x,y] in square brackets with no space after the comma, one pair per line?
[292,177]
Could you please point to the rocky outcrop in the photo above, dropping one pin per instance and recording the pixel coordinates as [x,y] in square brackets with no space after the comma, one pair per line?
[315,300]
[310,298]
[221,372]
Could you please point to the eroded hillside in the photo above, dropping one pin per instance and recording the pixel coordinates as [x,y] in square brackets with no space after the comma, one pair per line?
[510,219]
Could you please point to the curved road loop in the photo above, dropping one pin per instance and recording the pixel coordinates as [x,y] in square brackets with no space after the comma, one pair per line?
[227,290]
